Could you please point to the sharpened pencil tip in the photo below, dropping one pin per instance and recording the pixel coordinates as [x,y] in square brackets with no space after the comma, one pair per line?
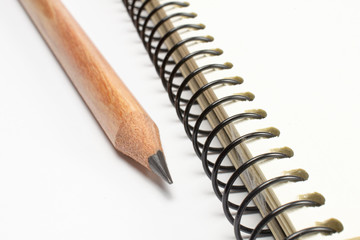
[158,165]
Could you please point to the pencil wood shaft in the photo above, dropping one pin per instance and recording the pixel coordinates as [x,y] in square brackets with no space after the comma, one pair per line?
[124,121]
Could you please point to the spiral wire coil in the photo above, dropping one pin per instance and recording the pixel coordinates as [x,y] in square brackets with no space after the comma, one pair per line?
[155,46]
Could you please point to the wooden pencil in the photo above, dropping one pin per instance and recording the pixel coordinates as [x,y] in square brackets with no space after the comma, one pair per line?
[127,125]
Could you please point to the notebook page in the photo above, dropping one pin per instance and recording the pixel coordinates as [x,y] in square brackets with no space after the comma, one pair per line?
[300,60]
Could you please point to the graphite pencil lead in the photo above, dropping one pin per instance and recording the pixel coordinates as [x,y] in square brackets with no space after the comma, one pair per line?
[158,166]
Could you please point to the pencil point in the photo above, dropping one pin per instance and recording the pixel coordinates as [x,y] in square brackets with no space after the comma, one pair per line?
[158,165]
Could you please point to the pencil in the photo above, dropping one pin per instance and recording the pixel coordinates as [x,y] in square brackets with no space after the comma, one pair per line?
[126,124]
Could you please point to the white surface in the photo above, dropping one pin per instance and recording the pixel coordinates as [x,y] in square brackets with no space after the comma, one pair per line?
[301,60]
[60,177]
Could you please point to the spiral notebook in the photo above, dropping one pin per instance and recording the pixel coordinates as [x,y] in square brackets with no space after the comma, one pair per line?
[299,59]
[302,182]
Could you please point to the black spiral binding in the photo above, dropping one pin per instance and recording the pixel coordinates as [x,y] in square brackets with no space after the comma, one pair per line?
[154,46]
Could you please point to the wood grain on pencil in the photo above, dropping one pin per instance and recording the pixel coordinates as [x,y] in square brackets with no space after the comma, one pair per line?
[124,121]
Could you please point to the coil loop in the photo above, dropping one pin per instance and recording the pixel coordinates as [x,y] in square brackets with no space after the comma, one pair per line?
[155,57]
[217,183]
[250,197]
[152,13]
[258,230]
[168,70]
[311,230]
[186,114]
[236,174]
[138,15]
[162,70]
[175,70]
[177,98]
[212,135]
[148,43]
[194,135]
